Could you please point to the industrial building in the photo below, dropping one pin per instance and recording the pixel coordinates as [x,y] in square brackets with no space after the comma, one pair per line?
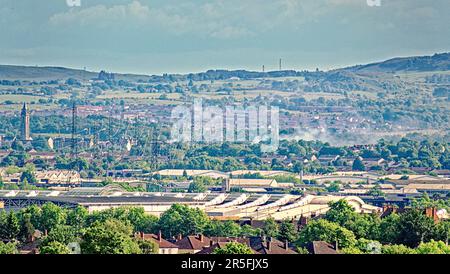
[224,206]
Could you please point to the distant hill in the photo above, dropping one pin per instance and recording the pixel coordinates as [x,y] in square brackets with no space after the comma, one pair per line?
[8,72]
[11,72]
[437,62]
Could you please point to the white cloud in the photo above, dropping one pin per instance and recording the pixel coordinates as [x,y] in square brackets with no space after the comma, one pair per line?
[206,20]
[102,15]
[219,19]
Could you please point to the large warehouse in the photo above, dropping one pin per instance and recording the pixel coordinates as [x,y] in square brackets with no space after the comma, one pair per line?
[216,205]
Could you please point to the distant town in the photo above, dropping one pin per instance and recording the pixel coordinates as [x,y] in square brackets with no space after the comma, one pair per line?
[72,172]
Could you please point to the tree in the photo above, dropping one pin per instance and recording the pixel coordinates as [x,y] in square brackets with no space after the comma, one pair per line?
[180,219]
[249,231]
[35,214]
[358,165]
[8,248]
[351,250]
[340,212]
[9,226]
[27,227]
[334,187]
[287,231]
[223,229]
[110,237]
[376,191]
[415,227]
[142,221]
[389,229]
[62,234]
[148,247]
[270,228]
[233,248]
[369,246]
[323,230]
[54,248]
[28,176]
[196,187]
[433,247]
[397,249]
[77,217]
[364,225]
[52,216]
[443,231]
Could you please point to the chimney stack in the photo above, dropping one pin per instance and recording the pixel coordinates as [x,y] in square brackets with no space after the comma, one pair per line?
[286,245]
[179,237]
[200,237]
[160,236]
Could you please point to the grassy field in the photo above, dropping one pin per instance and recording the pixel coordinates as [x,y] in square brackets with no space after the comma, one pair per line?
[20,98]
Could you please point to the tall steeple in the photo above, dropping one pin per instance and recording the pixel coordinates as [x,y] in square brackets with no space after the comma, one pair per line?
[25,124]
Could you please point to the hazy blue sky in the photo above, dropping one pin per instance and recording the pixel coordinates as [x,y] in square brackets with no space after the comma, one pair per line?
[158,36]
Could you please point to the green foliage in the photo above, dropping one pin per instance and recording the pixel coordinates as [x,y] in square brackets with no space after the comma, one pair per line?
[426,202]
[26,226]
[376,191]
[302,250]
[142,221]
[62,234]
[323,230]
[52,216]
[77,217]
[147,247]
[110,237]
[224,229]
[8,248]
[340,212]
[442,231]
[369,246]
[233,248]
[9,226]
[136,216]
[358,165]
[334,187]
[249,231]
[35,215]
[196,187]
[351,250]
[389,229]
[287,232]
[415,227]
[270,228]
[180,219]
[362,225]
[54,248]
[28,176]
[433,247]
[397,249]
